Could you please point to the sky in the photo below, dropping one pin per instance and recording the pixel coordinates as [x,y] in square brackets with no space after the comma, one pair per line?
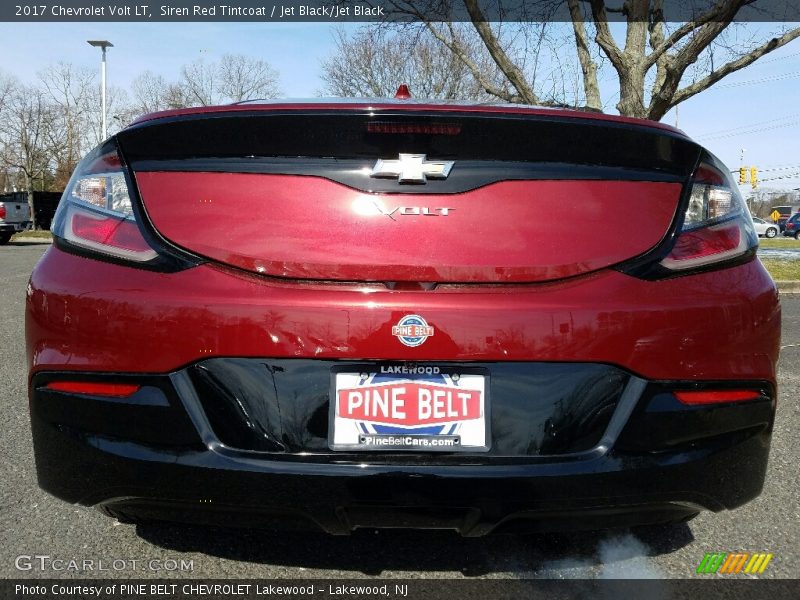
[755,109]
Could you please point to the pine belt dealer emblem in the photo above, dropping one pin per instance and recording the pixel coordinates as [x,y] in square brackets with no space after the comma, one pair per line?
[412,330]
[412,168]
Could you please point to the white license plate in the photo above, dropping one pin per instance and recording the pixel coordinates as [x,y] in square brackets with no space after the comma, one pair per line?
[423,409]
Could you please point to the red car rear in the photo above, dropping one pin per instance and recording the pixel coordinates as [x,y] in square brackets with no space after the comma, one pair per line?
[370,314]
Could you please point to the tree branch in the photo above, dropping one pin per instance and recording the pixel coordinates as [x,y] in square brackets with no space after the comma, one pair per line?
[703,37]
[603,36]
[588,66]
[636,13]
[663,97]
[712,14]
[456,49]
[734,66]
[657,41]
[504,63]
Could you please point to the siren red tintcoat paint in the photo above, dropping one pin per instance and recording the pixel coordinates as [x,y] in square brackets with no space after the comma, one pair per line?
[309,227]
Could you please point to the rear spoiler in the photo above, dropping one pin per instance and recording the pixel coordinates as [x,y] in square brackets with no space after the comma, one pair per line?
[340,144]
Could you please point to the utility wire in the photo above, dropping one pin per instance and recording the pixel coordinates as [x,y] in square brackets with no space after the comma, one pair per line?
[750,131]
[713,134]
[755,81]
[770,169]
[794,175]
[764,62]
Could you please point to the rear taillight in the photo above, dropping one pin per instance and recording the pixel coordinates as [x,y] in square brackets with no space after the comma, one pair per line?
[2,211]
[96,212]
[717,226]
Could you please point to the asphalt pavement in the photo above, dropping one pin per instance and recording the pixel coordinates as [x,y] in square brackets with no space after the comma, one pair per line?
[34,524]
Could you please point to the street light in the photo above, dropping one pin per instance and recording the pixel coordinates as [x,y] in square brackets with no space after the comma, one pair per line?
[102,44]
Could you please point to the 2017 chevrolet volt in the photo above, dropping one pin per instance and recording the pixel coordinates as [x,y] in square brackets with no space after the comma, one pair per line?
[370,314]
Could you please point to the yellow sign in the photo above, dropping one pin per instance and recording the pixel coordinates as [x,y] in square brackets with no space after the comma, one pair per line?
[774,215]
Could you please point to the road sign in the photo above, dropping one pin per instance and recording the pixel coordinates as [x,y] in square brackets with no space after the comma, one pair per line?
[774,215]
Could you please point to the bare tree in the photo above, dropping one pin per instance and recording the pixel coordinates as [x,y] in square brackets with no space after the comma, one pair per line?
[120,112]
[150,92]
[233,79]
[652,64]
[199,82]
[69,89]
[373,61]
[245,78]
[27,135]
[7,85]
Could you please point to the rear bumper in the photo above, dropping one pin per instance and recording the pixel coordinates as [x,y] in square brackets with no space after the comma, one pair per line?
[655,462]
[157,456]
[210,486]
[13,227]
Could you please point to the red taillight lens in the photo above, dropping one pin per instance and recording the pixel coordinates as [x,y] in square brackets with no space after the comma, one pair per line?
[706,174]
[695,397]
[108,231]
[91,388]
[717,226]
[2,211]
[96,212]
[104,163]
[706,245]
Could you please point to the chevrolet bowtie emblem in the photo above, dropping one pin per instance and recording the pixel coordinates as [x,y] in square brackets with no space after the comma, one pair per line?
[412,168]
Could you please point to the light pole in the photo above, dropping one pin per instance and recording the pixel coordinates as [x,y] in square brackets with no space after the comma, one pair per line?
[102,44]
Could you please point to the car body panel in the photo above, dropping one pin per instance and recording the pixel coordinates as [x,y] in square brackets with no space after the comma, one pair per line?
[311,228]
[86,321]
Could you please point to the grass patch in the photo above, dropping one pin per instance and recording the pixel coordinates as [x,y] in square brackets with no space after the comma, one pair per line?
[779,242]
[782,270]
[38,234]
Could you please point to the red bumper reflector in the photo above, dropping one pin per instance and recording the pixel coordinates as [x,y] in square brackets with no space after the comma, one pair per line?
[694,397]
[91,388]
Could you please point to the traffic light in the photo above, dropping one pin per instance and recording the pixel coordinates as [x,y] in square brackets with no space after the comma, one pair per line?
[742,175]
[753,177]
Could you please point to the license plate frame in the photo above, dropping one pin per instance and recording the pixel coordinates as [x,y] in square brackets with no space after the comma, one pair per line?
[353,433]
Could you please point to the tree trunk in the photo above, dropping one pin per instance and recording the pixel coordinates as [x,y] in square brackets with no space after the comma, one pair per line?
[32,208]
[29,185]
[631,93]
